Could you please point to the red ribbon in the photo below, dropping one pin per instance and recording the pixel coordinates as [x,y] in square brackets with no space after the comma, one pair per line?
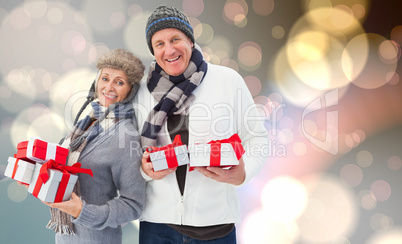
[15,168]
[236,144]
[66,170]
[215,154]
[169,151]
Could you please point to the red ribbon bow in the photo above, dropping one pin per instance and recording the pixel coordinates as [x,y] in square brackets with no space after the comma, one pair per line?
[66,170]
[215,156]
[169,151]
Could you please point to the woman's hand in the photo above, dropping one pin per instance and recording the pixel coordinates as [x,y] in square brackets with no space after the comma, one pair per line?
[148,169]
[72,207]
[235,175]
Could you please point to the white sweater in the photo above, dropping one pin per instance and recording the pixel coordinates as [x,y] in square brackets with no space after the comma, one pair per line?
[223,106]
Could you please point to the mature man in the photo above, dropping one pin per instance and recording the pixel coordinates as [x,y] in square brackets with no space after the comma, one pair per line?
[184,95]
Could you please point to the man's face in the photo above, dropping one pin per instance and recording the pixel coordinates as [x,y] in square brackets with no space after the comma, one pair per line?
[172,50]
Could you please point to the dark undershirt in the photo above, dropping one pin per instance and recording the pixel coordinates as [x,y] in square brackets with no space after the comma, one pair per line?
[178,125]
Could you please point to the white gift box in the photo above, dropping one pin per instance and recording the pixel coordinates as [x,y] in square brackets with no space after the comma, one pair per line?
[222,154]
[162,161]
[19,170]
[47,191]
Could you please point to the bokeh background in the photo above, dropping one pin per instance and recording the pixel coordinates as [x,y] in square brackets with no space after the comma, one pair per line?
[325,74]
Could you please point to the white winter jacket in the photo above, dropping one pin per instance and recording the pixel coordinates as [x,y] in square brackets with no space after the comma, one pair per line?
[223,106]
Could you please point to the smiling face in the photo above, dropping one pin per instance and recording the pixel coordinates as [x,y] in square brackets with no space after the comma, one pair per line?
[172,50]
[112,86]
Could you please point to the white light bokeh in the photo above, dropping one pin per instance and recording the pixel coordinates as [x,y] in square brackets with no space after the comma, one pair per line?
[16,193]
[331,212]
[283,199]
[392,236]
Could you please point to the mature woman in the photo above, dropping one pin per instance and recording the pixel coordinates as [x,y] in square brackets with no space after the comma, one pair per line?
[106,142]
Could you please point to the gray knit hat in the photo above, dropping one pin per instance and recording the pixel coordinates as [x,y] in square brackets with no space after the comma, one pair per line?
[125,61]
[165,17]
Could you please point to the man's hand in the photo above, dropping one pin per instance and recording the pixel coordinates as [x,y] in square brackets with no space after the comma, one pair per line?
[148,169]
[235,175]
[72,207]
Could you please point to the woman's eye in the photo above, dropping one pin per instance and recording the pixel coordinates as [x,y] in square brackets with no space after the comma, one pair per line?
[104,78]
[120,83]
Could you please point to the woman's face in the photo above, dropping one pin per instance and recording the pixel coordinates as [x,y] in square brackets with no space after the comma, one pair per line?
[112,86]
[172,50]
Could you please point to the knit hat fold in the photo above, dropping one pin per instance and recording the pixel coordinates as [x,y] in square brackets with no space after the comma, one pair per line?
[165,17]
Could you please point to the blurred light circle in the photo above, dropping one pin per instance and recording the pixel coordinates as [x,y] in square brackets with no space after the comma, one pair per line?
[233,9]
[19,80]
[284,198]
[117,20]
[389,52]
[263,7]
[290,86]
[258,227]
[367,200]
[35,8]
[351,175]
[278,32]
[193,7]
[134,41]
[253,85]
[394,163]
[195,22]
[206,33]
[37,121]
[381,189]
[364,158]
[16,193]
[381,222]
[390,236]
[73,43]
[70,91]
[285,136]
[43,35]
[135,11]
[336,215]
[240,20]
[55,15]
[299,148]
[371,71]
[220,44]
[396,34]
[230,63]
[20,19]
[103,19]
[315,58]
[249,56]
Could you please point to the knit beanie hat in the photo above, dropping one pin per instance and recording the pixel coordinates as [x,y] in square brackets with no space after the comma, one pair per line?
[165,17]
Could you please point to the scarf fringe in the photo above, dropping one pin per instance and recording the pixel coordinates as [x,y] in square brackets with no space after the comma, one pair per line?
[60,229]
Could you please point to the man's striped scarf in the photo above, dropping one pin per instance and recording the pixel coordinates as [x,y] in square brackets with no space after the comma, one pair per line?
[173,94]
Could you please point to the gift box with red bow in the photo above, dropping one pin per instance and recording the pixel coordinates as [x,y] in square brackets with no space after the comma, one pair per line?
[226,152]
[37,150]
[169,156]
[19,170]
[53,182]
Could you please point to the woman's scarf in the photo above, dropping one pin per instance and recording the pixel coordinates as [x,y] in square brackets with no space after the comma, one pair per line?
[173,94]
[94,124]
